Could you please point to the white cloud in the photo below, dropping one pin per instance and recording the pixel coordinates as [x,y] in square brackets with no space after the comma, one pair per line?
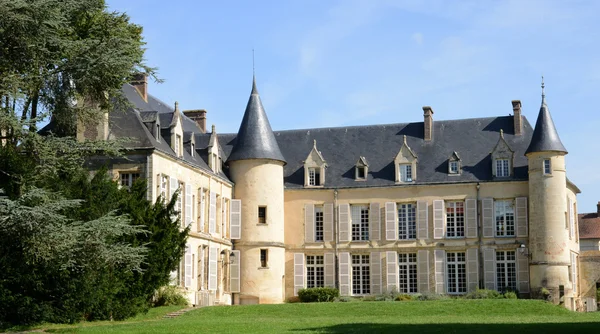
[418,38]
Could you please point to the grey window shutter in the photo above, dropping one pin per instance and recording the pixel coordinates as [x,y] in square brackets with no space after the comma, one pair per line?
[374,221]
[487,217]
[309,223]
[188,205]
[212,213]
[391,227]
[489,268]
[235,224]
[521,216]
[328,222]
[471,218]
[423,270]
[298,272]
[344,274]
[212,268]
[329,259]
[188,267]
[440,262]
[523,270]
[375,267]
[234,272]
[422,220]
[472,269]
[438,219]
[391,260]
[344,221]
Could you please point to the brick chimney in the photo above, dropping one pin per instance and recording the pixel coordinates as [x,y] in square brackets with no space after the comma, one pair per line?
[198,116]
[140,82]
[518,120]
[428,121]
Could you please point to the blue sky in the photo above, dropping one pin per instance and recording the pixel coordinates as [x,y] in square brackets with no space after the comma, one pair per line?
[337,63]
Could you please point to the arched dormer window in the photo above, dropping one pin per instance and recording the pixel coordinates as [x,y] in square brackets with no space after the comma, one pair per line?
[314,168]
[361,169]
[502,158]
[454,164]
[405,164]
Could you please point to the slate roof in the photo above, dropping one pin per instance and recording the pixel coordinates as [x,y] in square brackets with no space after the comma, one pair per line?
[545,137]
[473,139]
[589,225]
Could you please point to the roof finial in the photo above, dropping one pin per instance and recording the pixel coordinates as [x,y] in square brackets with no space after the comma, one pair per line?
[543,93]
[404,139]
[252,61]
[176,106]
[214,128]
[501,133]
[314,143]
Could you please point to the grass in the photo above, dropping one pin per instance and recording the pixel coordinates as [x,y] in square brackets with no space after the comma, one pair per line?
[443,316]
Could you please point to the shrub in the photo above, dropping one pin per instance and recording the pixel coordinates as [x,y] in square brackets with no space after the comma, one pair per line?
[510,295]
[169,295]
[312,295]
[430,296]
[483,294]
[598,295]
[403,297]
[293,299]
[344,299]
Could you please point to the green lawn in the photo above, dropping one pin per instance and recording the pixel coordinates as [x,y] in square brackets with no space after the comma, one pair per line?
[444,316]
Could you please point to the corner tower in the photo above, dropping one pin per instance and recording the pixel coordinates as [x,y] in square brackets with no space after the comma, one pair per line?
[548,237]
[256,167]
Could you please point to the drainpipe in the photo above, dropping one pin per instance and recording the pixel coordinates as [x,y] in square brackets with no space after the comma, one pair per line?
[479,237]
[335,238]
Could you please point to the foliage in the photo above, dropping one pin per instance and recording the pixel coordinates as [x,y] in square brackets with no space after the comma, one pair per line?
[511,295]
[598,295]
[312,295]
[293,299]
[483,294]
[404,297]
[169,295]
[430,296]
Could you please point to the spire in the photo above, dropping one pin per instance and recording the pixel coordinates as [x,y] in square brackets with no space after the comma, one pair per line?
[255,139]
[545,137]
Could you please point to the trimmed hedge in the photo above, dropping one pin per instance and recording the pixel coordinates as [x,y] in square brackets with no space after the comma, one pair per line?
[317,295]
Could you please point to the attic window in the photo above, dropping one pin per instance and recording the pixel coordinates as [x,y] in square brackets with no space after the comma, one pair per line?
[361,172]
[314,176]
[453,167]
[192,149]
[178,145]
[502,168]
[405,172]
[157,132]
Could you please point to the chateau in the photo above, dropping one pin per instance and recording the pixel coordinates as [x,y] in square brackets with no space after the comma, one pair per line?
[428,207]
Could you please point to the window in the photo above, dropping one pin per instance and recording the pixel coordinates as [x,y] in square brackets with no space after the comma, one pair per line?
[506,271]
[405,171]
[455,219]
[315,272]
[157,132]
[360,222]
[407,271]
[360,173]
[407,222]
[574,273]
[547,168]
[179,203]
[314,177]
[192,149]
[225,215]
[502,168]
[262,214]
[264,258]
[457,273]
[361,273]
[127,179]
[318,223]
[453,169]
[164,186]
[201,266]
[177,145]
[505,218]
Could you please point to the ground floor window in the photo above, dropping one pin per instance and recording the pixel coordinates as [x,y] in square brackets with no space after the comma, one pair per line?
[506,271]
[456,270]
[315,272]
[407,271]
[361,275]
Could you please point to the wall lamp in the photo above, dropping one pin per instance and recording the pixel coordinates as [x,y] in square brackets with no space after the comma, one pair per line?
[231,257]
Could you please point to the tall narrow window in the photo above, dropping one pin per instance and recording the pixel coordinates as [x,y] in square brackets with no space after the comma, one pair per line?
[360,222]
[315,272]
[506,271]
[164,185]
[318,223]
[177,145]
[502,169]
[192,149]
[314,176]
[405,171]
[262,214]
[361,275]
[505,218]
[547,167]
[407,223]
[179,203]
[455,219]
[264,257]
[457,273]
[407,271]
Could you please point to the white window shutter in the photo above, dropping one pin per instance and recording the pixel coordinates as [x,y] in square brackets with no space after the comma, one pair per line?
[438,219]
[439,261]
[487,217]
[202,210]
[188,266]
[174,184]
[188,205]
[472,269]
[374,222]
[234,272]
[235,221]
[571,219]
[212,268]
[521,213]
[344,274]
[422,220]
[423,270]
[344,221]
[489,268]
[298,272]
[391,261]
[391,227]
[212,213]
[375,267]
[329,259]
[574,272]
[471,218]
[523,270]
[223,217]
[328,222]
[309,223]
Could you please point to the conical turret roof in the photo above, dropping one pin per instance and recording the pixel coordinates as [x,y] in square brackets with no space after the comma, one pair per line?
[545,137]
[255,139]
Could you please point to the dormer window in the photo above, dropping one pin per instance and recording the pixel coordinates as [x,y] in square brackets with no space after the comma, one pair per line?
[502,169]
[361,169]
[314,168]
[502,158]
[406,164]
[192,149]
[405,172]
[360,172]
[157,136]
[178,149]
[314,176]
[454,167]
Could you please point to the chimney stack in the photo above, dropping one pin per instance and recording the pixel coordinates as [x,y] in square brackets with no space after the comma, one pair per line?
[140,82]
[518,120]
[198,116]
[598,209]
[428,121]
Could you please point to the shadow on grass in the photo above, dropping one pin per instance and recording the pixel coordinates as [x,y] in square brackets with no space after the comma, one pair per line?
[545,328]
